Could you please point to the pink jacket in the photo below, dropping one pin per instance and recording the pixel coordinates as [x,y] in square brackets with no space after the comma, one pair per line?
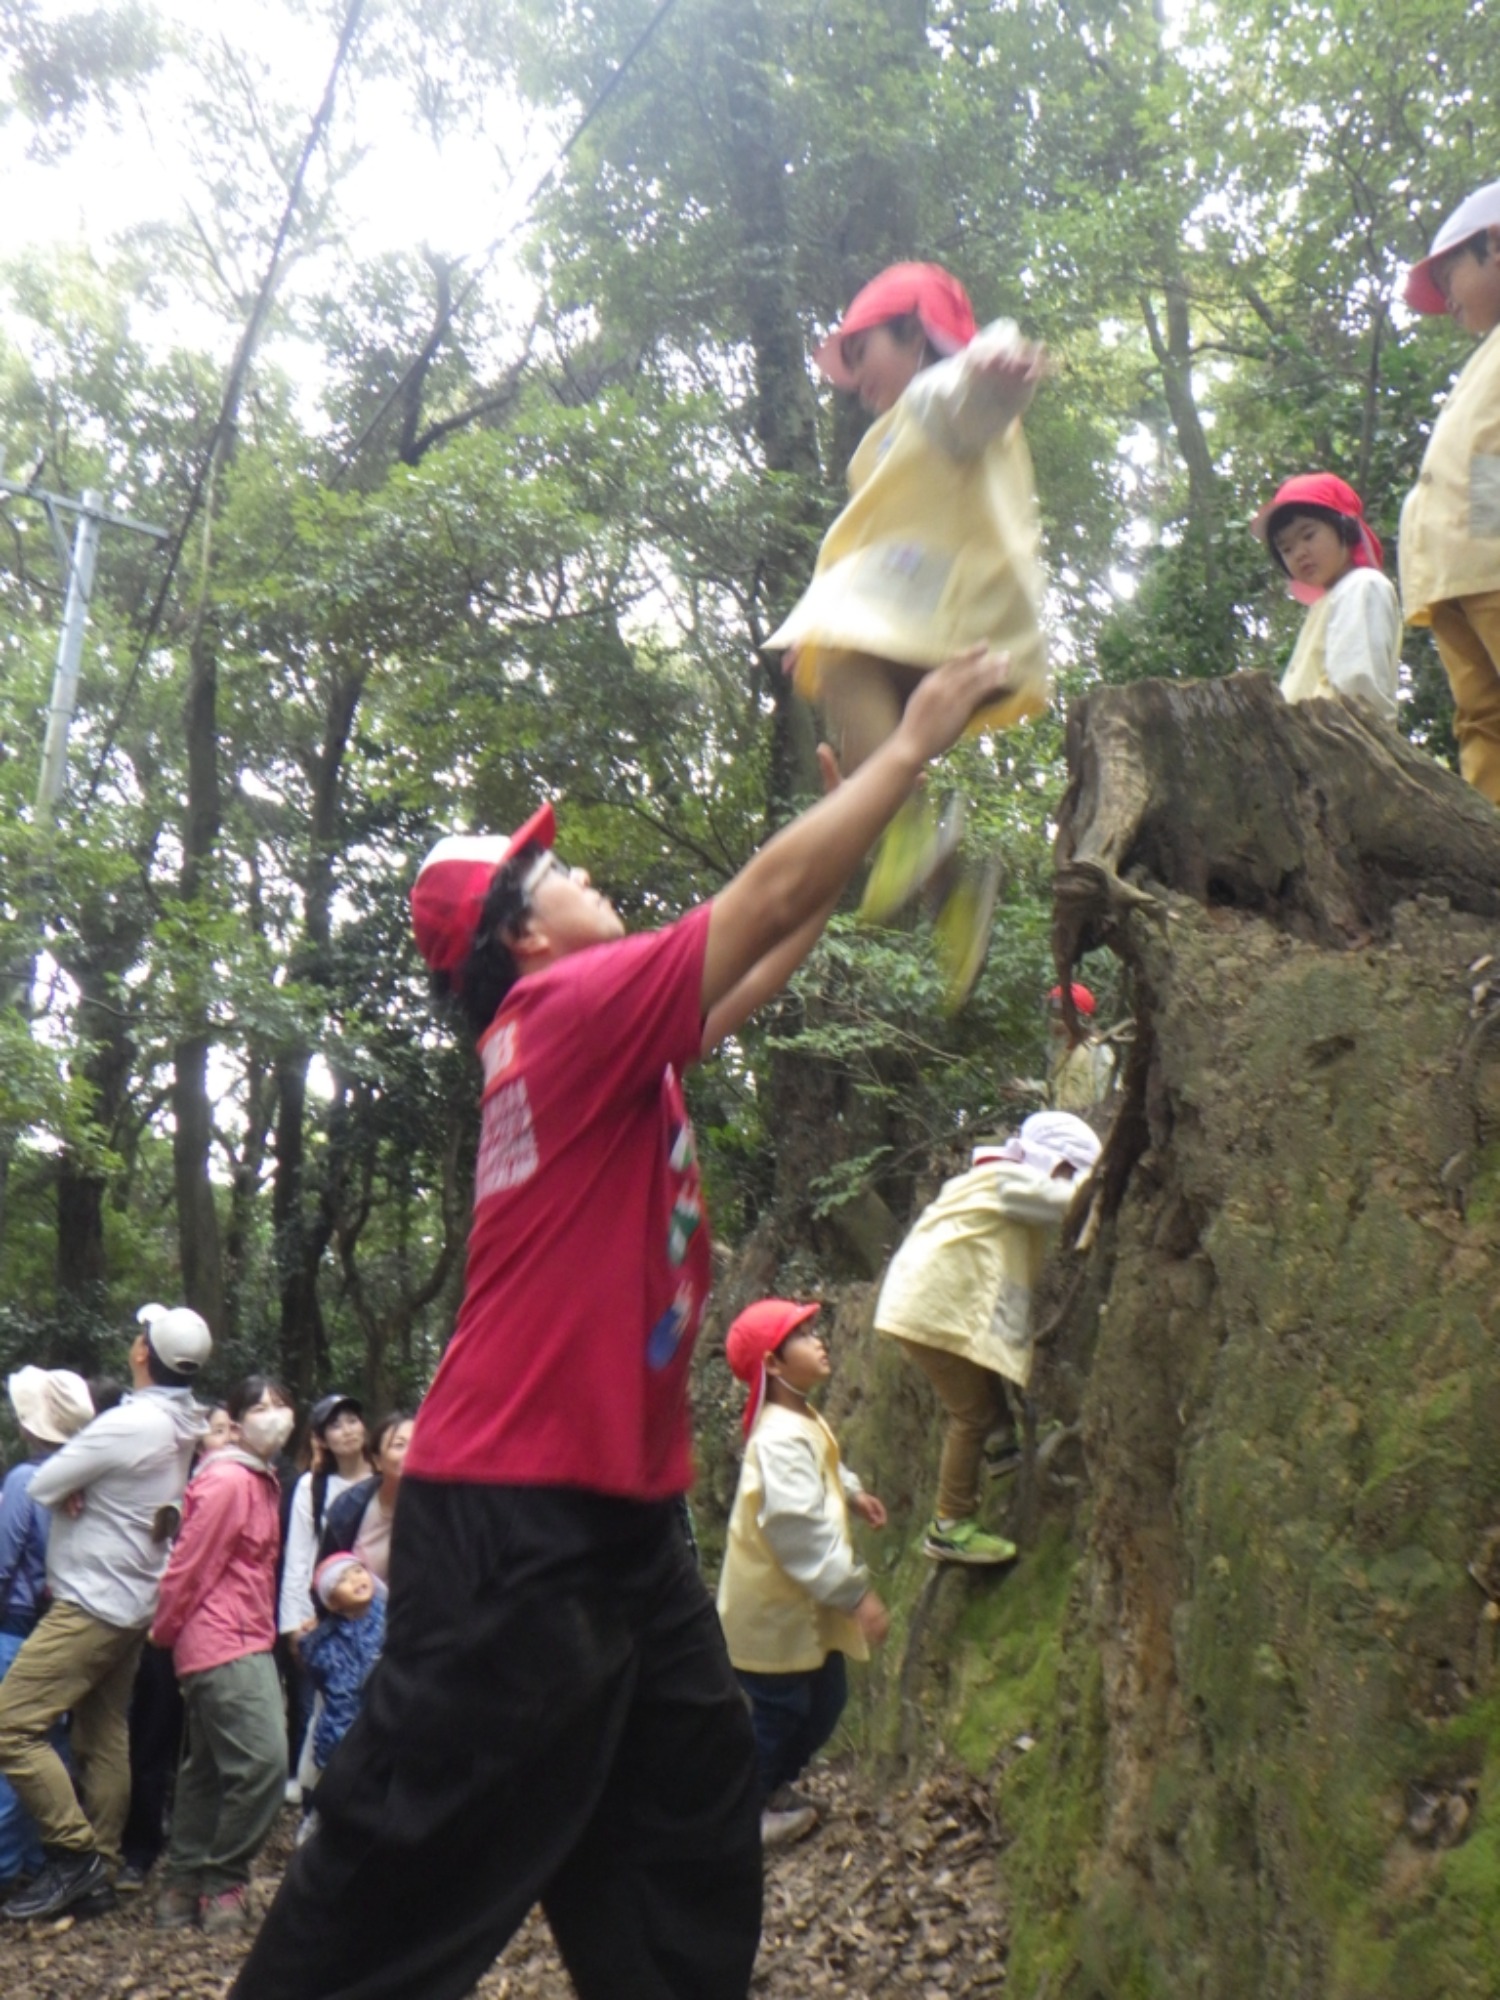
[218,1596]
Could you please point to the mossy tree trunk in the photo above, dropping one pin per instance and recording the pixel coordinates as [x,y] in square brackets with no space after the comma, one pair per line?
[1272,1766]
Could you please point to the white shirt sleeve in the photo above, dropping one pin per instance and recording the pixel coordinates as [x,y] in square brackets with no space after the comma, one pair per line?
[1363,646]
[809,1543]
[960,409]
[301,1552]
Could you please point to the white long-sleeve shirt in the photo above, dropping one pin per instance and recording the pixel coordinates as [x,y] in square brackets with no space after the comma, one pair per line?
[1350,644]
[296,1605]
[128,1464]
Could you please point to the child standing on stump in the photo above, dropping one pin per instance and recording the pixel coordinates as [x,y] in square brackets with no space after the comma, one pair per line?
[958,1298]
[937,550]
[794,1599]
[1350,642]
[1449,549]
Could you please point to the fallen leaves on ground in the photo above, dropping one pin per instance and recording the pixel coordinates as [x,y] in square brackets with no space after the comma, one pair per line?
[895,1893]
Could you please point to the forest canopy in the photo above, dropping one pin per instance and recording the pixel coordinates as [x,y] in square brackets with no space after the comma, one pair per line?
[457,518]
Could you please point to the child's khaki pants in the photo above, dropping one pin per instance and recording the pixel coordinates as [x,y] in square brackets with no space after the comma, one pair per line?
[974,1400]
[1467,631]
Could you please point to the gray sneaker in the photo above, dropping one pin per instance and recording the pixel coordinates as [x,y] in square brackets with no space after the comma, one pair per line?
[67,1879]
[780,1829]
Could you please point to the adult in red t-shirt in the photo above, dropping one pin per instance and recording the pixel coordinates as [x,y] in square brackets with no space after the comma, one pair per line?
[554,1718]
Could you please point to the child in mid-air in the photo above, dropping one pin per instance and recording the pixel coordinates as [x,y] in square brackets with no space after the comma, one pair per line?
[343,1647]
[937,550]
[1449,551]
[1350,642]
[794,1599]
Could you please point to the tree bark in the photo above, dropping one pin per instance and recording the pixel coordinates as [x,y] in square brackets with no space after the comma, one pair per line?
[192,1114]
[1267,1732]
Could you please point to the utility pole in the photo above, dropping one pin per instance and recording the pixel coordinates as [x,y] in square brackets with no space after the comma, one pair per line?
[78,567]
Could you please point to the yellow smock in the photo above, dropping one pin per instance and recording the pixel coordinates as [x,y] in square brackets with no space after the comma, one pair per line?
[773,1624]
[939,547]
[1350,643]
[1450,522]
[962,1279]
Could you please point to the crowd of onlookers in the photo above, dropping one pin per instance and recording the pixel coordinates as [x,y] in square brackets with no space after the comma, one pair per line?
[188,1616]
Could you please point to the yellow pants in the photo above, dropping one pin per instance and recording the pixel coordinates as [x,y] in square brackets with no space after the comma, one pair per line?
[72,1662]
[1467,631]
[974,1401]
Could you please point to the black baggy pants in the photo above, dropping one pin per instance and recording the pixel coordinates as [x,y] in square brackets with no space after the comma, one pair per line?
[554,1720]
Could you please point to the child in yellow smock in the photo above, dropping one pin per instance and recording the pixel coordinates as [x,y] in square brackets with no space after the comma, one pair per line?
[1449,551]
[937,550]
[794,1598]
[1350,642]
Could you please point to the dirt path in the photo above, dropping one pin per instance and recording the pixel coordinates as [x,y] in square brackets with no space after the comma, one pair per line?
[893,1896]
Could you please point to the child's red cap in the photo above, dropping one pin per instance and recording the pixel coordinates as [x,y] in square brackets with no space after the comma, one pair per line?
[759,1331]
[1332,495]
[933,294]
[1083,1000]
[1481,210]
[452,883]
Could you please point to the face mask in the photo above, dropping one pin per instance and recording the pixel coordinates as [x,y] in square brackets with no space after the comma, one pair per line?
[266,1431]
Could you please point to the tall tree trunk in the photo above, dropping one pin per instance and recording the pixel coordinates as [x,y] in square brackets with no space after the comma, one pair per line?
[303,1214]
[785,408]
[192,1113]
[1269,1723]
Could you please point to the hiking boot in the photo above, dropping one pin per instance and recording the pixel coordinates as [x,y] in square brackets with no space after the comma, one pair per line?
[130,1878]
[780,1829]
[966,1542]
[901,863]
[176,1907]
[66,1880]
[961,934]
[228,1910]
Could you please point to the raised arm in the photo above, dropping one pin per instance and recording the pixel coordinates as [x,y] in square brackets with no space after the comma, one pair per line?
[793,882]
[776,968]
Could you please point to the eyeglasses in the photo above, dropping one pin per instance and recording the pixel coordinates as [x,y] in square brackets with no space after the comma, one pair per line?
[545,864]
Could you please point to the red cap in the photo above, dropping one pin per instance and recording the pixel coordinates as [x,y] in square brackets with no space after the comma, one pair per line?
[1481,210]
[1334,496]
[759,1331]
[933,294]
[454,880]
[1083,1000]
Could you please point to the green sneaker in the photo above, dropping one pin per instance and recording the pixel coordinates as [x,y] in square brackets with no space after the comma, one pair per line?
[961,935]
[900,857]
[966,1542]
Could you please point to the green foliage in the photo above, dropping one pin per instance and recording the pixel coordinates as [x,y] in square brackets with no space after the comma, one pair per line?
[495,538]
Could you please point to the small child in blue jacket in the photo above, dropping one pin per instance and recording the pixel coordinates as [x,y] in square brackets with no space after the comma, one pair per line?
[341,1650]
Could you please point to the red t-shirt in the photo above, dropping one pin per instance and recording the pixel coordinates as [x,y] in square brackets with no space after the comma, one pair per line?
[589,1256]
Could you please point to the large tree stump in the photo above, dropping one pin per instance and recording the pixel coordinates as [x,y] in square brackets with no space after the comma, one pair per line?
[1273,1769]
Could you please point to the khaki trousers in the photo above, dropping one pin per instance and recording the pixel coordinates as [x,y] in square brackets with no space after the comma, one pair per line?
[864,698]
[1467,631]
[974,1399]
[76,1663]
